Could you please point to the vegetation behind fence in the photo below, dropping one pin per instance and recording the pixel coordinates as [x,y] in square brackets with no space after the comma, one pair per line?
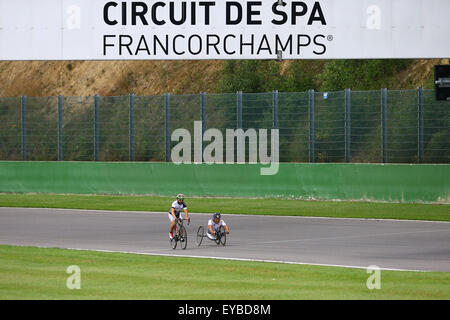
[405,126]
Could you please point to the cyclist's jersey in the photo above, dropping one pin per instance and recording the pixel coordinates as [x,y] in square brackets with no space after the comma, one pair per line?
[216,226]
[178,207]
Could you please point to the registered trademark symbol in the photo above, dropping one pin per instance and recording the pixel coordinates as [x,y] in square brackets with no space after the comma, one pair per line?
[330,38]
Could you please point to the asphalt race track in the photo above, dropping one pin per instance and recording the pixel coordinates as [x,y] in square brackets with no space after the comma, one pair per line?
[405,245]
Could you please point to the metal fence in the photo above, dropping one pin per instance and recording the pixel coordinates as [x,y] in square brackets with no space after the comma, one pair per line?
[404,126]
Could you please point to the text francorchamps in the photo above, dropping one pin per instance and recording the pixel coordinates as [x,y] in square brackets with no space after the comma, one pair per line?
[212,28]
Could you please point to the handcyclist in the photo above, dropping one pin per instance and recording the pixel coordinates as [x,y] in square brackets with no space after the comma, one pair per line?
[174,212]
[214,224]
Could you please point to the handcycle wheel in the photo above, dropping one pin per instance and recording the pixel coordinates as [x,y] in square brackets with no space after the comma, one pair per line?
[223,236]
[218,234]
[183,237]
[199,238]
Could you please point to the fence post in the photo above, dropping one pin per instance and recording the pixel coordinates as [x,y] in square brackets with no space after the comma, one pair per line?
[131,148]
[384,125]
[203,116]
[420,126]
[275,108]
[96,129]
[24,128]
[60,133]
[347,124]
[239,110]
[167,124]
[311,125]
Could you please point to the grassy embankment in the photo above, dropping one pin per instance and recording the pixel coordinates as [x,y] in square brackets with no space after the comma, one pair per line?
[437,212]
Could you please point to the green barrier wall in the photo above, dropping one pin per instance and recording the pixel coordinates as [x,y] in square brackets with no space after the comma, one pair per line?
[374,182]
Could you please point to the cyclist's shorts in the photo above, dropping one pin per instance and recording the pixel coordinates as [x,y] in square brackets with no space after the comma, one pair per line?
[171,217]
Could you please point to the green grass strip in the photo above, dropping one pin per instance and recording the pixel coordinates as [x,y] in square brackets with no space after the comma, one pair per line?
[434,212]
[37,273]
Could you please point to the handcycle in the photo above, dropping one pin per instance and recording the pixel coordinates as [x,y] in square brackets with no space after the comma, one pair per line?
[179,234]
[221,236]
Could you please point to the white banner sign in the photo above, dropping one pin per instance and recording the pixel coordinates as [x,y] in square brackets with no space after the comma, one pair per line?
[221,29]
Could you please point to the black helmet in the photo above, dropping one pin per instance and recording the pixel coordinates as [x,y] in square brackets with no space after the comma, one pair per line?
[216,216]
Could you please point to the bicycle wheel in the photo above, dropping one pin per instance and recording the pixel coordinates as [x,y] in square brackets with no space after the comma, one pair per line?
[223,236]
[183,237]
[199,238]
[173,242]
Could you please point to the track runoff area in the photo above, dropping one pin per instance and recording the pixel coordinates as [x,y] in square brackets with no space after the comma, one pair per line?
[352,243]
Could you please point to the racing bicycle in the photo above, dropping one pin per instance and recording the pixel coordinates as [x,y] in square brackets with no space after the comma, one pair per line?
[179,234]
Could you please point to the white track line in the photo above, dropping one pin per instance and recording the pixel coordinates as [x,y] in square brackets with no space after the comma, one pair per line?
[243,259]
[222,258]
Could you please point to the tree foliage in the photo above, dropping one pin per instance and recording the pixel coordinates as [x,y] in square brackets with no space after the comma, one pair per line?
[253,76]
[360,74]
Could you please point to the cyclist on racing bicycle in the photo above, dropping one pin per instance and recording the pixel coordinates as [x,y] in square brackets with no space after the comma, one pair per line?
[214,224]
[174,212]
